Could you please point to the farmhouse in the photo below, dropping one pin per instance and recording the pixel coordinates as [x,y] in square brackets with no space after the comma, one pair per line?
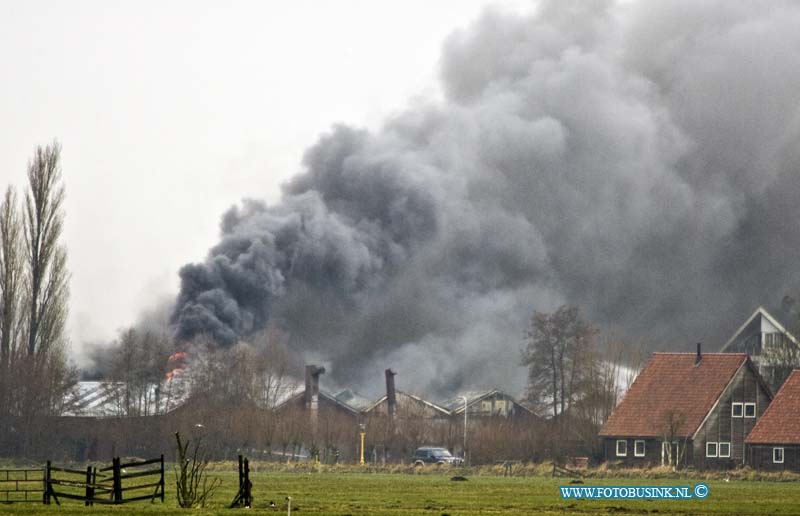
[774,443]
[687,409]
[769,344]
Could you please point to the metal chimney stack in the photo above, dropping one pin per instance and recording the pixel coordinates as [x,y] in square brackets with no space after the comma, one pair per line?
[699,356]
[311,395]
[391,396]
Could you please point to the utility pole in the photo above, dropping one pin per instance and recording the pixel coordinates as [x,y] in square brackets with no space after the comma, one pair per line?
[465,428]
[362,433]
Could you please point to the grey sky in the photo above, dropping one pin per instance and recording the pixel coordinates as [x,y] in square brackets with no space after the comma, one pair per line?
[638,159]
[170,112]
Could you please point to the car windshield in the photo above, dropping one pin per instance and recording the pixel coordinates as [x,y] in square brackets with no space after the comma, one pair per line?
[440,453]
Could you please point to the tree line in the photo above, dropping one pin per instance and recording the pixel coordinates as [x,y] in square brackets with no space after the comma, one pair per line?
[145,373]
[35,375]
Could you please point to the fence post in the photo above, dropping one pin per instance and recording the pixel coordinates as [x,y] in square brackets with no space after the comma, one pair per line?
[46,495]
[247,495]
[89,494]
[162,478]
[243,495]
[241,472]
[117,480]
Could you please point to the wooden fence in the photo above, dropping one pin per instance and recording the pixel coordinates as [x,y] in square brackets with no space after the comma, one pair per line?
[21,485]
[108,485]
[244,497]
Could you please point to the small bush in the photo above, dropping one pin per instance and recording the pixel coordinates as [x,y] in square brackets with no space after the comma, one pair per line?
[190,475]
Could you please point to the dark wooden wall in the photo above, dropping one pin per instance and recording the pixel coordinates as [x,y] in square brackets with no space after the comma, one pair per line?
[759,456]
[720,426]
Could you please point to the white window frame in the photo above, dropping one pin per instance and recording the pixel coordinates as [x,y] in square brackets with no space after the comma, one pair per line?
[774,458]
[746,405]
[716,449]
[719,449]
[773,339]
[624,442]
[741,409]
[635,445]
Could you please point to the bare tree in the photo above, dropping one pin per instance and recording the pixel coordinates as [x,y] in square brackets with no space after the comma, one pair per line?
[137,364]
[618,360]
[249,372]
[672,448]
[10,288]
[559,356]
[46,259]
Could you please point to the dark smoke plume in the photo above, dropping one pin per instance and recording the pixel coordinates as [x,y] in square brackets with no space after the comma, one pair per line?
[638,160]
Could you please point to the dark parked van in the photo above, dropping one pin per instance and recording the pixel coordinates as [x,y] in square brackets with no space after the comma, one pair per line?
[433,455]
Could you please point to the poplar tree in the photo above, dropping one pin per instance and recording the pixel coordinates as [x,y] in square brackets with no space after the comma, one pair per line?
[10,288]
[46,258]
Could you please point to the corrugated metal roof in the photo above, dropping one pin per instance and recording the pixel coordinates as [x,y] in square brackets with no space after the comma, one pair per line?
[353,399]
[416,399]
[288,391]
[94,399]
[456,403]
[107,399]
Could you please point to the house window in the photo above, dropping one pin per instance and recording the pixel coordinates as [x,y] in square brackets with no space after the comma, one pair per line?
[486,407]
[749,410]
[500,406]
[777,455]
[638,448]
[737,410]
[724,449]
[622,448]
[711,449]
[772,340]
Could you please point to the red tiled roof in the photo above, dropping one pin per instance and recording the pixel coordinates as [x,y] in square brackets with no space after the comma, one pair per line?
[670,382]
[780,423]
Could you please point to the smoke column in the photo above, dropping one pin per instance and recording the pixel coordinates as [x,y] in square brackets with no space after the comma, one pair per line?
[639,160]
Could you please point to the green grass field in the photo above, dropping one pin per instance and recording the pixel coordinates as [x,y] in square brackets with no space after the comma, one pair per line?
[347,493]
